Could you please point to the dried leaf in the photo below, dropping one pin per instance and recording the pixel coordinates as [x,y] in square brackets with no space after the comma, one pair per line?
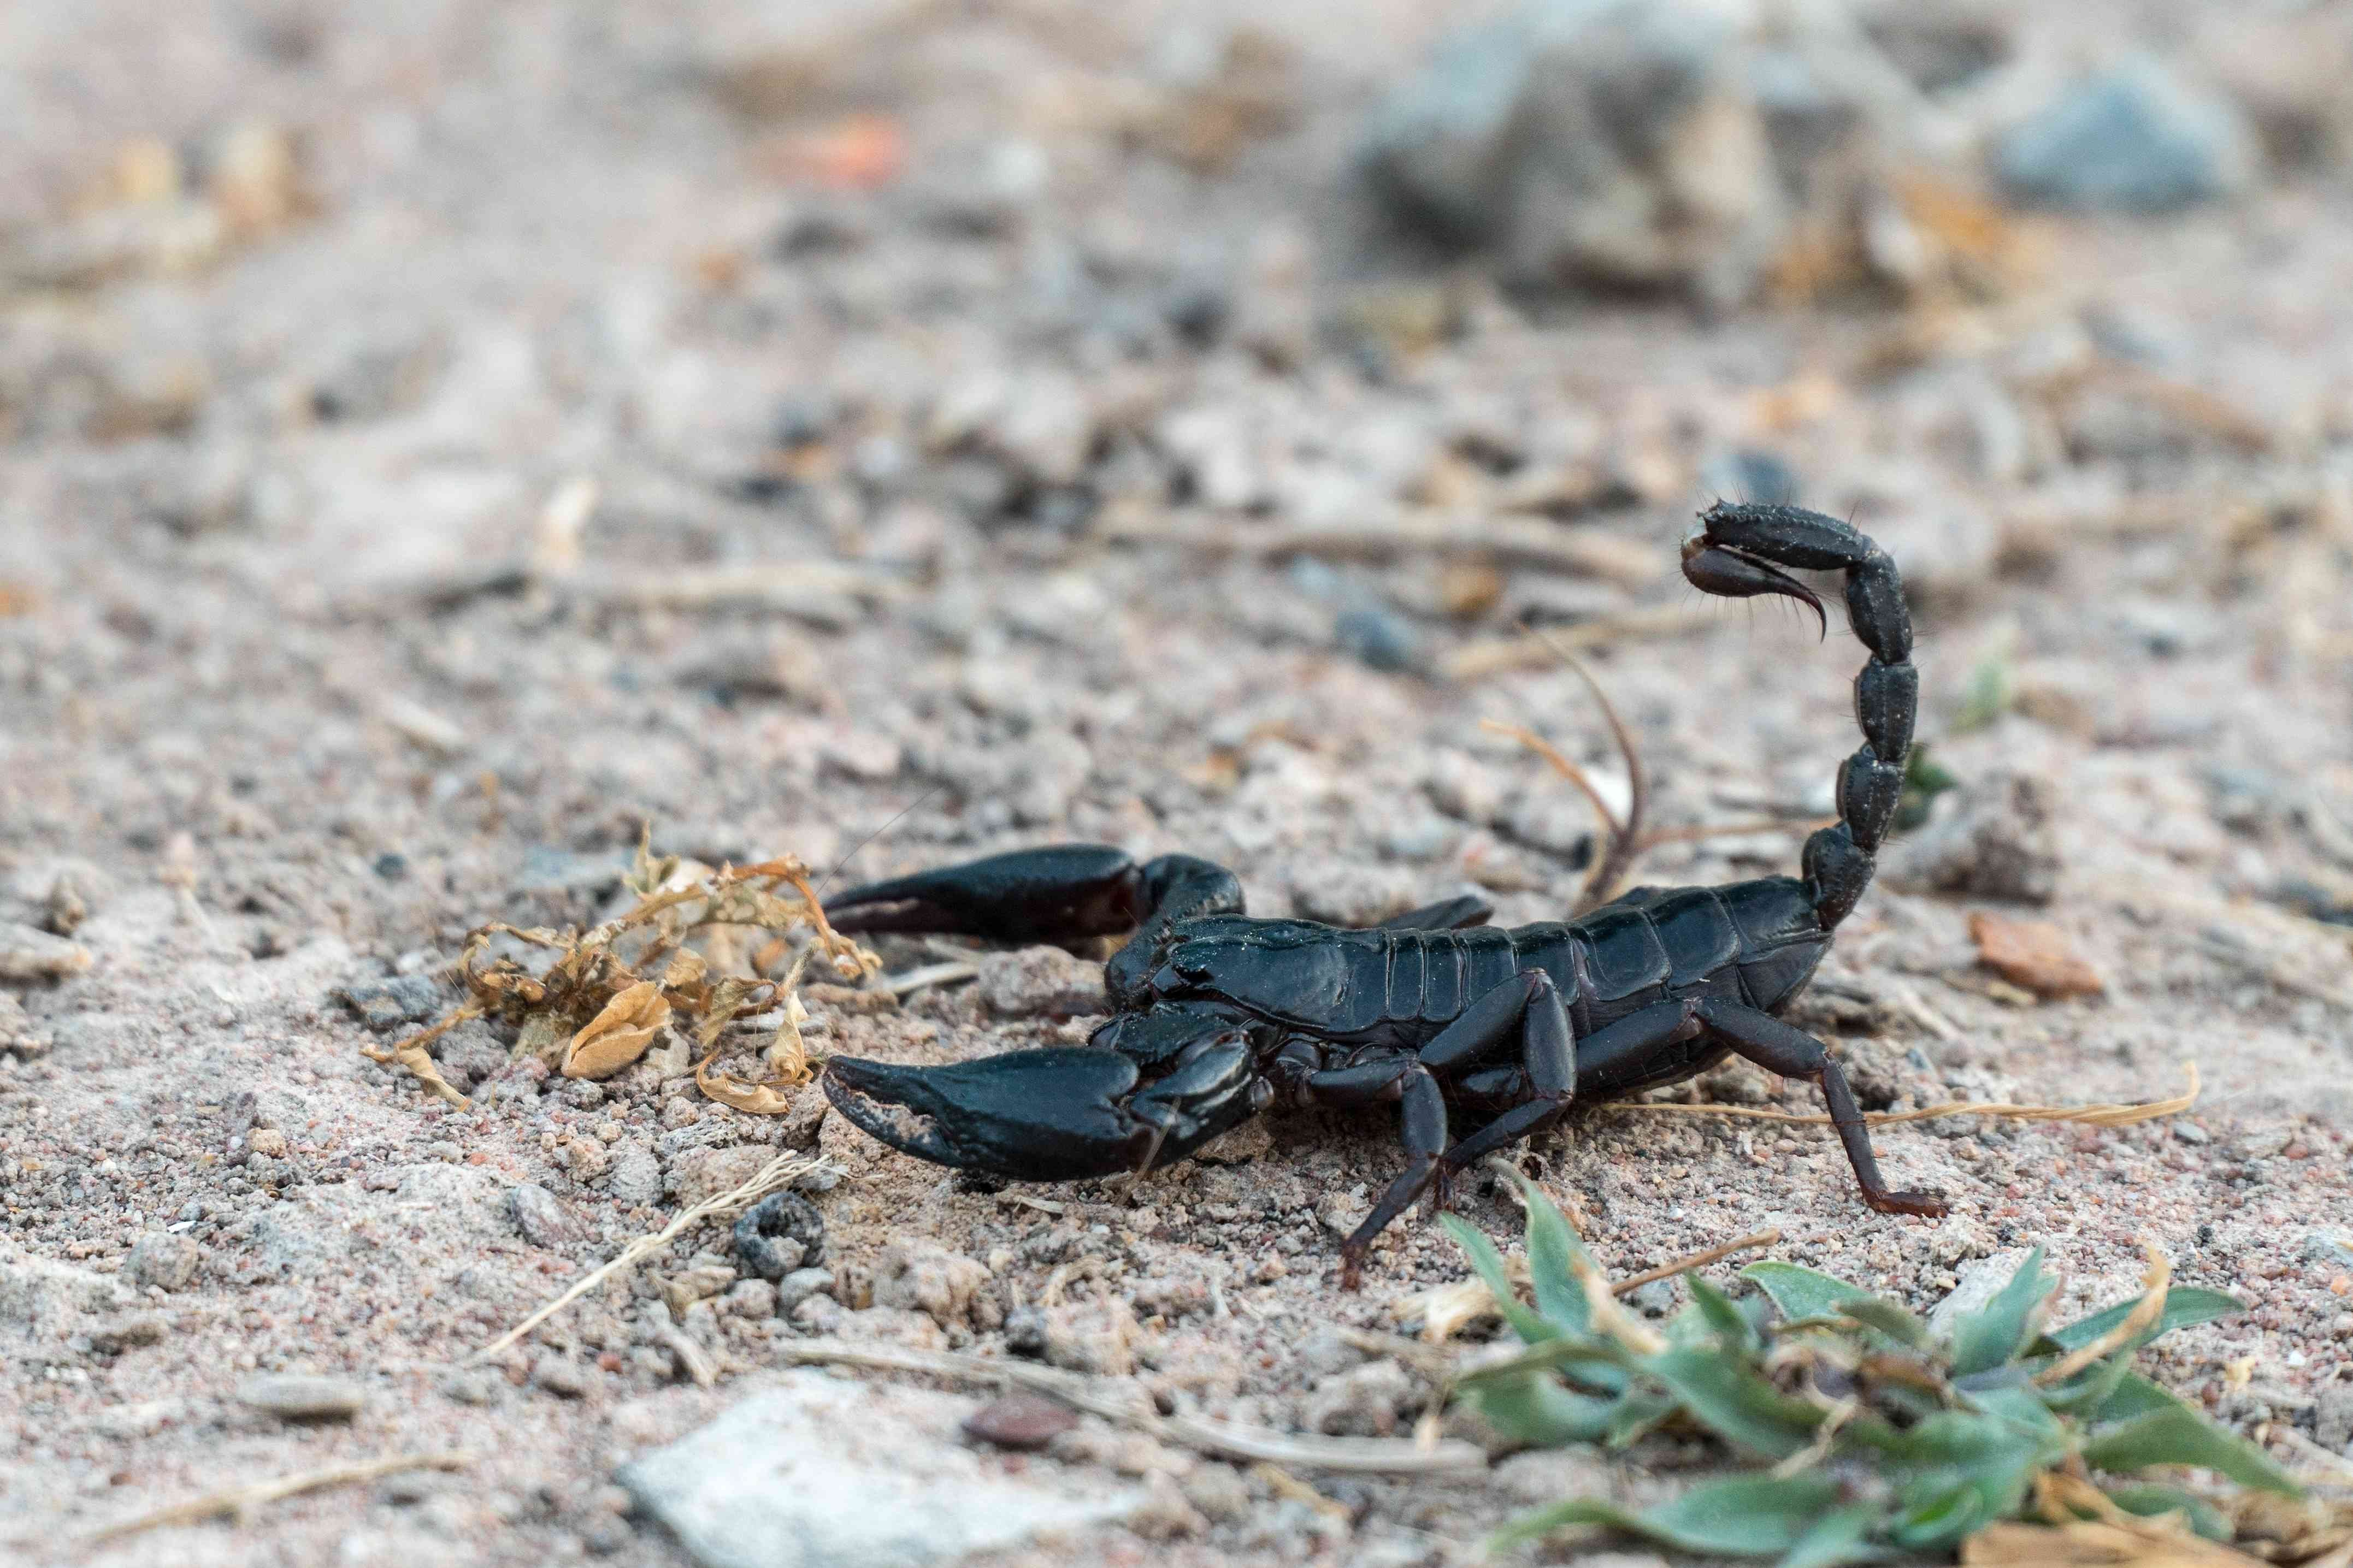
[755,1099]
[619,1034]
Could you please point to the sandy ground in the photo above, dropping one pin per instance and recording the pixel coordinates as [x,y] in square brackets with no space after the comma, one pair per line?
[296,686]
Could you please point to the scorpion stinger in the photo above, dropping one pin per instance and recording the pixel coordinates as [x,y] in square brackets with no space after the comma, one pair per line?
[1479,1036]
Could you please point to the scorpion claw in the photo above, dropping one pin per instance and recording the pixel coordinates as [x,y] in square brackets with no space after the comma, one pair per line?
[1047,1115]
[1733,573]
[1060,893]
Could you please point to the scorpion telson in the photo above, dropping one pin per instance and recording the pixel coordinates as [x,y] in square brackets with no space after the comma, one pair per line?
[1217,1015]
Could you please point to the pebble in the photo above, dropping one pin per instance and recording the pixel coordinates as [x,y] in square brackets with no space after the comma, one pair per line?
[1034,981]
[387,1004]
[19,1032]
[1352,893]
[920,1276]
[1218,1491]
[301,1396]
[543,1218]
[818,1472]
[781,1234]
[469,1387]
[1022,1421]
[800,1285]
[1027,1332]
[2134,137]
[1378,636]
[161,1260]
[29,954]
[636,1175]
[559,1375]
[1995,837]
[124,1333]
[699,1174]
[1368,1402]
[1165,1513]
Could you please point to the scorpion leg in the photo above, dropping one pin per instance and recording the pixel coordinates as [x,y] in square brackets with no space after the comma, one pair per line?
[1421,1125]
[1777,1047]
[1528,1007]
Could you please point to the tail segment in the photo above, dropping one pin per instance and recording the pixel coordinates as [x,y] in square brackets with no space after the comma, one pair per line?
[1737,553]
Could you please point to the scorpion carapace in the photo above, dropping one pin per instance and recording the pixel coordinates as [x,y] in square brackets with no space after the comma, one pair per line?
[1216,1015]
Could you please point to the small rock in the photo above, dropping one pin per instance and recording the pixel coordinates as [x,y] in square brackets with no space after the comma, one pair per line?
[782,1233]
[1027,1332]
[2333,1249]
[19,1032]
[2134,137]
[1219,1493]
[1021,1421]
[699,1174]
[1031,981]
[2191,1132]
[750,1298]
[1383,639]
[389,1004]
[1995,839]
[688,1286]
[543,1218]
[928,1278]
[1547,1475]
[1654,1299]
[800,1285]
[301,1396]
[66,906]
[559,1375]
[162,1259]
[1165,1513]
[2034,955]
[636,1175]
[1172,1299]
[469,1387]
[122,1333]
[266,1142]
[28,954]
[818,1472]
[2332,1419]
[1366,1403]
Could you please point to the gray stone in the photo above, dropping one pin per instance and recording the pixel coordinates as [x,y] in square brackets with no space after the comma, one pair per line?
[800,1285]
[384,1006]
[1368,1402]
[1994,838]
[541,1216]
[301,1396]
[824,1473]
[120,1334]
[1034,981]
[559,1375]
[19,1032]
[42,1297]
[2332,1248]
[1378,636]
[637,1177]
[2134,137]
[28,953]
[163,1260]
[1351,893]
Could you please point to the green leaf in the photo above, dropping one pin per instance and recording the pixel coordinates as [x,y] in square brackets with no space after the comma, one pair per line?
[2182,1436]
[1488,1264]
[1839,1536]
[2184,1305]
[1721,1394]
[1637,1415]
[1888,1319]
[1749,1516]
[1730,1324]
[1588,1361]
[2092,1388]
[1941,1518]
[2148,1501]
[1990,1336]
[1535,1408]
[2135,1396]
[1551,1245]
[1959,1470]
[1801,1292]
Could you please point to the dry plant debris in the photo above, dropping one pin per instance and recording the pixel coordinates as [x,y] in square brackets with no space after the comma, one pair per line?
[239,1503]
[1877,1434]
[614,989]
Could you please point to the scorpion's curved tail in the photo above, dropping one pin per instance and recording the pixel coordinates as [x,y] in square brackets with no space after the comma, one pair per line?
[1737,552]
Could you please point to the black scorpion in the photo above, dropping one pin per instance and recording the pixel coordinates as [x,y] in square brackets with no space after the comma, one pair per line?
[1216,1015]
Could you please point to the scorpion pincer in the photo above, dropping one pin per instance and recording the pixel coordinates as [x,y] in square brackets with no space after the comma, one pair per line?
[1480,1036]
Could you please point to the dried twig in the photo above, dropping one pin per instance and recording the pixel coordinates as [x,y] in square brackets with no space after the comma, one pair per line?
[1359,1456]
[1690,1261]
[239,1501]
[2112,1115]
[2144,1312]
[775,1176]
[1445,1310]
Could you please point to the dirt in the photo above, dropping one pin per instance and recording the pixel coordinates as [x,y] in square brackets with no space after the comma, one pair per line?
[315,656]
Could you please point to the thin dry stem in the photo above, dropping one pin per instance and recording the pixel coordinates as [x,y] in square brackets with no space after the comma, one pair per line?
[2114,1115]
[2146,1311]
[1358,1455]
[239,1501]
[775,1176]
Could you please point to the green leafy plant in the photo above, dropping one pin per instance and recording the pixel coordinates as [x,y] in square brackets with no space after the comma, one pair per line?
[1882,1438]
